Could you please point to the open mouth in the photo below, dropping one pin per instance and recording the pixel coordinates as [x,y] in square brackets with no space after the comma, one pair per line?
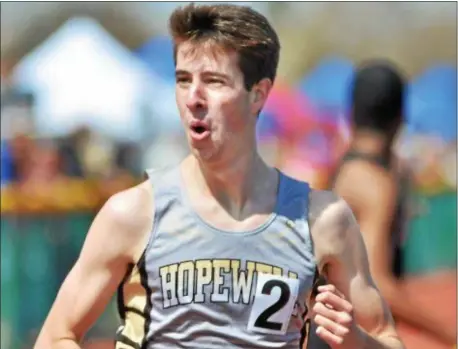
[199,129]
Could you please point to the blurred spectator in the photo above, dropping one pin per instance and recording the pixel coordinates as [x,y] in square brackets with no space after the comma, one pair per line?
[68,148]
[368,178]
[128,159]
[22,148]
[96,152]
[43,163]
[17,113]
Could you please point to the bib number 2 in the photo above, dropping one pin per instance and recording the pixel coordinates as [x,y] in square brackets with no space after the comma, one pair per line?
[273,304]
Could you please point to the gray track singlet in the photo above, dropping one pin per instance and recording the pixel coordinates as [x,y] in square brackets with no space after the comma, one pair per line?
[203,288]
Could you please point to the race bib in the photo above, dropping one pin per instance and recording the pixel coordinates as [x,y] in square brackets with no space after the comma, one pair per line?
[273,304]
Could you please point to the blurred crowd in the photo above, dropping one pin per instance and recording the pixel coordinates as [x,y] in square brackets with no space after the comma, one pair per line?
[74,171]
[34,165]
[82,116]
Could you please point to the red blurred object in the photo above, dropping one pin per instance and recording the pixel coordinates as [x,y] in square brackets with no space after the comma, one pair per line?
[294,113]
[309,142]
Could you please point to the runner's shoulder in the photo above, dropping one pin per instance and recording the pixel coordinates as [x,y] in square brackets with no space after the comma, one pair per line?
[132,207]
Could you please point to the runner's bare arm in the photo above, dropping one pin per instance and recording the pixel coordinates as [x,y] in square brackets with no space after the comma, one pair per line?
[341,257]
[115,240]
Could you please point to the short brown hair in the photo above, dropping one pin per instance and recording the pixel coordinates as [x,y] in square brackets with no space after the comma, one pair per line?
[237,28]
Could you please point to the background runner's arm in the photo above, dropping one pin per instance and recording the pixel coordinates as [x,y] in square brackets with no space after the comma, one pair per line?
[341,256]
[115,240]
[375,209]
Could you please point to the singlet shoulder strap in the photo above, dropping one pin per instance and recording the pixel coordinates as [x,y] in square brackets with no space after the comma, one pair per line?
[376,159]
[293,197]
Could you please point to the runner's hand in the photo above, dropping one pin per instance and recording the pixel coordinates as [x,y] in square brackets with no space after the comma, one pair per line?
[333,315]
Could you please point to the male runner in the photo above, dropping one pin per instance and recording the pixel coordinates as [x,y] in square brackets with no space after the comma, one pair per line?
[371,182]
[221,251]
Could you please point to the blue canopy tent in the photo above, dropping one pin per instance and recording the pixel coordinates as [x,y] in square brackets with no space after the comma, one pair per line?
[157,54]
[438,83]
[327,86]
[431,103]
[327,89]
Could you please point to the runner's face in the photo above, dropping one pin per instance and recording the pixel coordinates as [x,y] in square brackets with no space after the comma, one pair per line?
[218,113]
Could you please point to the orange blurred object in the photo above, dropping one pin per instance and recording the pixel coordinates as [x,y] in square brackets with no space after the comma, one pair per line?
[100,344]
[435,293]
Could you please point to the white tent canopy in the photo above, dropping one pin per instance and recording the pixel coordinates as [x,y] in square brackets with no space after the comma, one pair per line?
[82,75]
